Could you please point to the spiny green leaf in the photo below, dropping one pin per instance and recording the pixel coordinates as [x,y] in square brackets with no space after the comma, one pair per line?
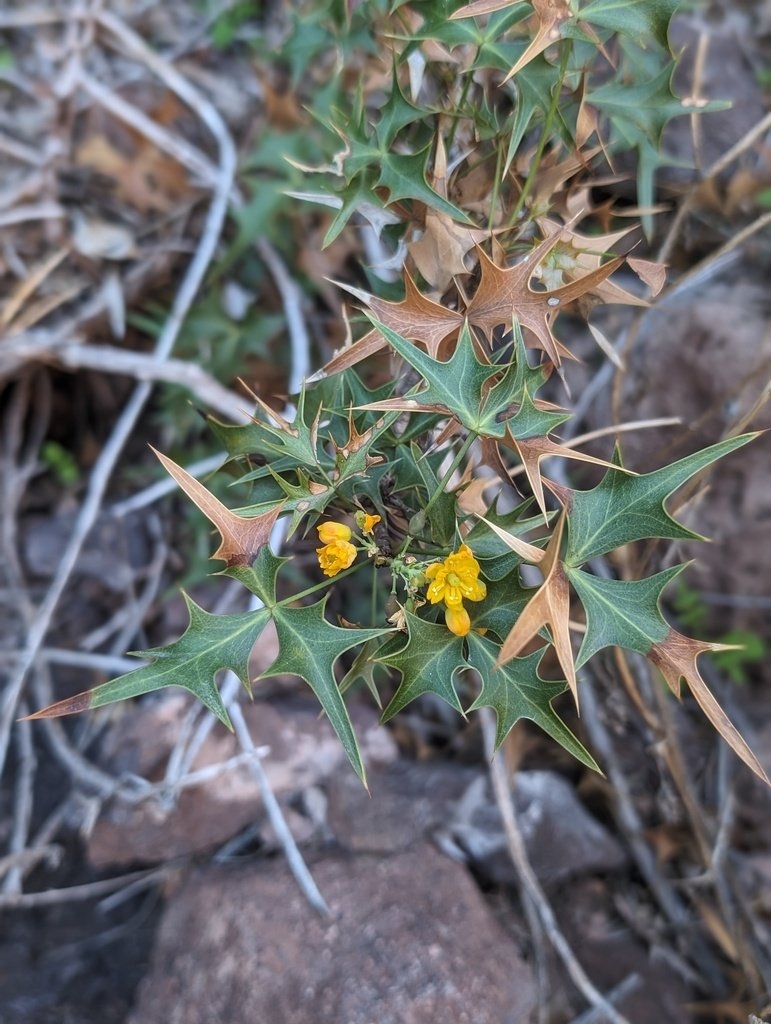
[260,577]
[638,111]
[396,113]
[530,421]
[210,643]
[516,690]
[309,646]
[646,106]
[272,439]
[648,20]
[534,84]
[621,613]
[428,662]
[358,191]
[404,175]
[441,515]
[301,499]
[457,384]
[623,508]
[501,608]
[364,669]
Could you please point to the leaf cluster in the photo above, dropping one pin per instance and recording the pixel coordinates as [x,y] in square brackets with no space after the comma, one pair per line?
[407,475]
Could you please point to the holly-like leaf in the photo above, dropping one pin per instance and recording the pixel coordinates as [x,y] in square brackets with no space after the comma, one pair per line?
[621,613]
[532,449]
[649,20]
[309,646]
[534,90]
[354,456]
[439,251]
[549,606]
[461,385]
[396,113]
[504,295]
[272,436]
[516,691]
[637,113]
[404,175]
[242,537]
[503,604]
[623,508]
[675,657]
[576,255]
[354,197]
[260,577]
[416,317]
[210,643]
[302,499]
[441,515]
[427,661]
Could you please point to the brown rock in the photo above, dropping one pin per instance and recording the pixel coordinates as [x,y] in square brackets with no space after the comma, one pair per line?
[303,750]
[407,801]
[411,941]
[561,837]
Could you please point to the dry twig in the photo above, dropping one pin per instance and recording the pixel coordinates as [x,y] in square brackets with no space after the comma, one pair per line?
[125,424]
[530,883]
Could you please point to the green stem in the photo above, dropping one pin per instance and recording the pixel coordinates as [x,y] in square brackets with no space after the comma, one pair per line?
[459,456]
[545,136]
[318,586]
[458,108]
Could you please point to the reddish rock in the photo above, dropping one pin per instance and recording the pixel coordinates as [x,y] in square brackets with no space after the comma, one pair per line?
[303,751]
[411,941]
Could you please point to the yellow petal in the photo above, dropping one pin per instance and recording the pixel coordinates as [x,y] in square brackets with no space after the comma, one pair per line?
[457,620]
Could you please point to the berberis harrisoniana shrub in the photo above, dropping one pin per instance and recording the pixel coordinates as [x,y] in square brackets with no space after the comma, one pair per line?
[469,138]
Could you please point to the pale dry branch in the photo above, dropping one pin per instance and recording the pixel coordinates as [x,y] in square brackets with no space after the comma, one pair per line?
[30,858]
[717,167]
[292,853]
[78,893]
[26,212]
[203,387]
[181,151]
[105,463]
[22,807]
[292,298]
[530,883]
[107,663]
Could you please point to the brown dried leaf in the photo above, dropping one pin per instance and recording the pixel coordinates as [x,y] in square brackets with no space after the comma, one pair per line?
[532,449]
[242,537]
[417,317]
[551,16]
[480,8]
[549,606]
[440,249]
[504,294]
[675,657]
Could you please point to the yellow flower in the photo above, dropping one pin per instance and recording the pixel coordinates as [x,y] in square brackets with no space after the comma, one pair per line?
[366,522]
[337,552]
[329,532]
[454,579]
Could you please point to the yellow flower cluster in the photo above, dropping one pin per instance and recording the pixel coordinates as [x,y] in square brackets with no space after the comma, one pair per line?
[337,552]
[454,580]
